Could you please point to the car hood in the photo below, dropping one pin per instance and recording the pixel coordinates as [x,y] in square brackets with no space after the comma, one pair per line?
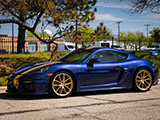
[32,65]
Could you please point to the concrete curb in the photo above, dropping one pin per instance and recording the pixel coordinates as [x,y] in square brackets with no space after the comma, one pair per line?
[3,87]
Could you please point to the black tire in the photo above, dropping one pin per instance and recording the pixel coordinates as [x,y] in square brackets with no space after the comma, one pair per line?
[142,80]
[62,84]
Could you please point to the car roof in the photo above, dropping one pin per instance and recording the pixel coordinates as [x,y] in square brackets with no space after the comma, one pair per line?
[103,48]
[130,56]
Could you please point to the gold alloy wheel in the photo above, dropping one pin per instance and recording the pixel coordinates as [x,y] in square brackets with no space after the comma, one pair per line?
[143,80]
[62,84]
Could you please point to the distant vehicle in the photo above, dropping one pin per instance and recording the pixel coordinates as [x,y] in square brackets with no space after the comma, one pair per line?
[66,47]
[99,44]
[4,51]
[104,43]
[153,47]
[117,47]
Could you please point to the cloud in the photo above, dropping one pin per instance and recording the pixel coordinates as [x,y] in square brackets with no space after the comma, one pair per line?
[107,17]
[138,29]
[122,6]
[150,18]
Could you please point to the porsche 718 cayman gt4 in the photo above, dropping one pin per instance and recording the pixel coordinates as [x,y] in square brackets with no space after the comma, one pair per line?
[86,69]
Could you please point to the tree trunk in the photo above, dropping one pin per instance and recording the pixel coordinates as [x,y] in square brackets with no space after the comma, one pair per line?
[21,40]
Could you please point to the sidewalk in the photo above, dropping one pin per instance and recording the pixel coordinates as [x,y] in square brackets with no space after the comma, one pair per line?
[3,89]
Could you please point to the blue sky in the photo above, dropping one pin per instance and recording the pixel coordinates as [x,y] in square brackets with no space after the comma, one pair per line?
[109,13]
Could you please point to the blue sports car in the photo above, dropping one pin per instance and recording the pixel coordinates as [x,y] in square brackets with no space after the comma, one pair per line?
[86,69]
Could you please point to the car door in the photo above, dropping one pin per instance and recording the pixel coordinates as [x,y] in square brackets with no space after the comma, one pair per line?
[104,73]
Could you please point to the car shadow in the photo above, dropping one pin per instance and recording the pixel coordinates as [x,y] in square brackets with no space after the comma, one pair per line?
[103,92]
[6,96]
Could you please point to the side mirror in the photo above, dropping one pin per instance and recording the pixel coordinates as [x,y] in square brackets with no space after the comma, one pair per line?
[155,53]
[92,61]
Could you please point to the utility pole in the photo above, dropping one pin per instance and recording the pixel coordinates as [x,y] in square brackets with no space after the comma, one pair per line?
[147,28]
[76,30]
[12,37]
[112,41]
[76,33]
[0,28]
[119,30]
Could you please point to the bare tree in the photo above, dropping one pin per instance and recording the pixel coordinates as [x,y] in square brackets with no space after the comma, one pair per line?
[138,6]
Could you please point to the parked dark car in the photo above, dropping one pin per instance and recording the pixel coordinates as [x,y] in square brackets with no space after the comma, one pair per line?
[3,51]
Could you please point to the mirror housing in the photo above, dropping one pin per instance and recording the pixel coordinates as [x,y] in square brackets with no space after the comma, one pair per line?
[155,53]
[92,61]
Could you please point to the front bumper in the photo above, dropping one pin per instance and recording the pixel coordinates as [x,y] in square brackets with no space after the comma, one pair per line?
[27,86]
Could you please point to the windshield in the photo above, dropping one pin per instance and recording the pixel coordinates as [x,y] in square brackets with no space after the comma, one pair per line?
[70,46]
[152,46]
[116,46]
[3,50]
[76,56]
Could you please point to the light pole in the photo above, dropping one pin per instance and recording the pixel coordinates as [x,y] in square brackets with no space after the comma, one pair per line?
[0,28]
[12,37]
[147,28]
[0,34]
[119,30]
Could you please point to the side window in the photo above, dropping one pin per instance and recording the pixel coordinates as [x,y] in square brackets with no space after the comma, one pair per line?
[66,47]
[121,56]
[105,45]
[106,56]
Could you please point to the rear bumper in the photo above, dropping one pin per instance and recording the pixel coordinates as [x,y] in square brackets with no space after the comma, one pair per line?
[155,76]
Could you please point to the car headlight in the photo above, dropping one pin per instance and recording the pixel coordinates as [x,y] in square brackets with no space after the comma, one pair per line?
[41,70]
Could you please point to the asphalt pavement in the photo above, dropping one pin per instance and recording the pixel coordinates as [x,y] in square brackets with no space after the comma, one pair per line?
[101,105]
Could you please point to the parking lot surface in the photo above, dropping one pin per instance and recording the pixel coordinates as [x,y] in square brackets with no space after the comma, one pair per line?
[101,105]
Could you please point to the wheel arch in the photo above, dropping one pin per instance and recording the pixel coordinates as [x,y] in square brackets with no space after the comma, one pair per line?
[150,70]
[66,70]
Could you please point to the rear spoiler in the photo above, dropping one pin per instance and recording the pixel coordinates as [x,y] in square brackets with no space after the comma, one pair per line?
[154,53]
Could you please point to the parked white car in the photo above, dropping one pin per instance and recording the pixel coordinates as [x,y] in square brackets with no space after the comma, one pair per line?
[117,47]
[153,47]
[66,46]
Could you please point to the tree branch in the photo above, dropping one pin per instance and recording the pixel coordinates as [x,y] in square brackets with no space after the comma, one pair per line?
[31,16]
[26,27]
[9,10]
[38,19]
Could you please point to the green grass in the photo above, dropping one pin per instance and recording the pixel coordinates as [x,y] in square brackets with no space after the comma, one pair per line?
[9,63]
[148,56]
[3,80]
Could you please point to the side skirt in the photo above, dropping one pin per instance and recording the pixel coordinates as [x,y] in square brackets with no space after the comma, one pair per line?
[110,86]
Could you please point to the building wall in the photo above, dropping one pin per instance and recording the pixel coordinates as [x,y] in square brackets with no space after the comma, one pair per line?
[6,43]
